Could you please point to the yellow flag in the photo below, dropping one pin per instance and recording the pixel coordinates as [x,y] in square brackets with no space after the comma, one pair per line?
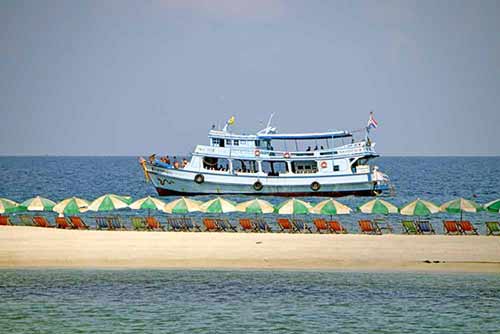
[231,121]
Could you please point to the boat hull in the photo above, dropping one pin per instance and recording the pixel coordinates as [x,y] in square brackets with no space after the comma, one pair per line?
[172,182]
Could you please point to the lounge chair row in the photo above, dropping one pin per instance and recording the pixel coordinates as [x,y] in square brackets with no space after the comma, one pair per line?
[450,227]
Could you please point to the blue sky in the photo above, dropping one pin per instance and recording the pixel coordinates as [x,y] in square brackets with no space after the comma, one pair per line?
[136,77]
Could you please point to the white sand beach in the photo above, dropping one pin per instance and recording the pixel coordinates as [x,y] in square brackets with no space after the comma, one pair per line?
[31,247]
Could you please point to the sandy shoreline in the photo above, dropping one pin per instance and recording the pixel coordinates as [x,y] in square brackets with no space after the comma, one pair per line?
[31,247]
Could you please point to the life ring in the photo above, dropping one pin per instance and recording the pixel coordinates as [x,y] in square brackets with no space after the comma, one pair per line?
[199,179]
[323,164]
[258,185]
[315,186]
[257,153]
[286,155]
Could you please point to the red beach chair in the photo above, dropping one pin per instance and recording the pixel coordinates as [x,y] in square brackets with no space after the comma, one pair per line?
[4,221]
[467,228]
[451,227]
[321,225]
[336,227]
[369,227]
[41,221]
[61,222]
[78,223]
[285,225]
[210,225]
[246,225]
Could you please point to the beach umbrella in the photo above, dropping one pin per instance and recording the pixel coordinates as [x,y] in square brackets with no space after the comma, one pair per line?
[218,205]
[293,206]
[460,205]
[419,207]
[7,205]
[71,206]
[330,207]
[378,206]
[37,204]
[493,206]
[182,205]
[255,206]
[110,202]
[147,203]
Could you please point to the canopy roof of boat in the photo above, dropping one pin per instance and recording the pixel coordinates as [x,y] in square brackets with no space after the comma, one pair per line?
[316,135]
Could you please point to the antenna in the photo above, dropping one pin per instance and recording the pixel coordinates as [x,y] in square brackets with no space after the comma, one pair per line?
[269,121]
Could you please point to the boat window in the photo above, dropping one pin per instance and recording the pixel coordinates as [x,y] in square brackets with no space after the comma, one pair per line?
[245,166]
[304,167]
[236,142]
[218,164]
[215,141]
[257,143]
[274,168]
[228,142]
[336,168]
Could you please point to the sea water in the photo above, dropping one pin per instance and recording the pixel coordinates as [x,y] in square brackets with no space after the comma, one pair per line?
[173,301]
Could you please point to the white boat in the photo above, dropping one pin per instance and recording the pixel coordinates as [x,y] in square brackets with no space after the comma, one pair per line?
[328,163]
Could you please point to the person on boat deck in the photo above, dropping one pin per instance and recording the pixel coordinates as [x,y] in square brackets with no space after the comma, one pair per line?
[316,148]
[167,160]
[308,148]
[184,163]
[176,163]
[152,158]
[322,148]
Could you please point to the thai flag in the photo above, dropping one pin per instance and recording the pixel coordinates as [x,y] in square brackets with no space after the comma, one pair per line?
[372,123]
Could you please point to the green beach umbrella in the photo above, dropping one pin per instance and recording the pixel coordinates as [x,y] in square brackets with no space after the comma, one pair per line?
[255,206]
[293,206]
[37,204]
[110,202]
[71,206]
[182,205]
[218,205]
[378,206]
[419,207]
[460,205]
[493,206]
[331,207]
[7,205]
[147,203]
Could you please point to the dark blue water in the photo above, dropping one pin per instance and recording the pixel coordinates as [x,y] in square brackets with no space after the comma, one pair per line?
[434,178]
[69,301]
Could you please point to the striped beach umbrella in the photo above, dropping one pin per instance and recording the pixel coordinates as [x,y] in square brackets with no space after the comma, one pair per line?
[255,206]
[71,206]
[110,202]
[293,206]
[37,204]
[419,207]
[493,206]
[182,205]
[460,205]
[218,205]
[331,207]
[147,203]
[378,206]
[7,205]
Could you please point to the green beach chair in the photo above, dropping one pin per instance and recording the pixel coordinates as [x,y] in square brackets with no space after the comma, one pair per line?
[138,223]
[409,227]
[493,228]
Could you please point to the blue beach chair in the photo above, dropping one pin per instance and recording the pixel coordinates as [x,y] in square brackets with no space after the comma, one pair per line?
[190,224]
[102,223]
[424,227]
[225,225]
[262,226]
[175,224]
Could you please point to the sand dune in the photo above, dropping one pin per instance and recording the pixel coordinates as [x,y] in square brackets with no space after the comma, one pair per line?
[31,247]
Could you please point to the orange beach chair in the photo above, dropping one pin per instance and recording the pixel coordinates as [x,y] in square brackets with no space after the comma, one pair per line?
[467,228]
[451,227]
[369,227]
[285,225]
[153,224]
[78,223]
[321,225]
[62,222]
[210,225]
[5,220]
[41,221]
[247,225]
[336,227]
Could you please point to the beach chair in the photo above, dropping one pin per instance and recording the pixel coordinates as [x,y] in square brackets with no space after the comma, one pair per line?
[210,225]
[285,225]
[26,220]
[247,225]
[138,223]
[409,227]
[301,226]
[62,222]
[466,227]
[102,223]
[451,227]
[175,224]
[41,221]
[369,227]
[226,225]
[336,227]
[492,228]
[321,225]
[5,220]
[153,224]
[262,226]
[424,227]
[190,224]
[78,223]
[116,224]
